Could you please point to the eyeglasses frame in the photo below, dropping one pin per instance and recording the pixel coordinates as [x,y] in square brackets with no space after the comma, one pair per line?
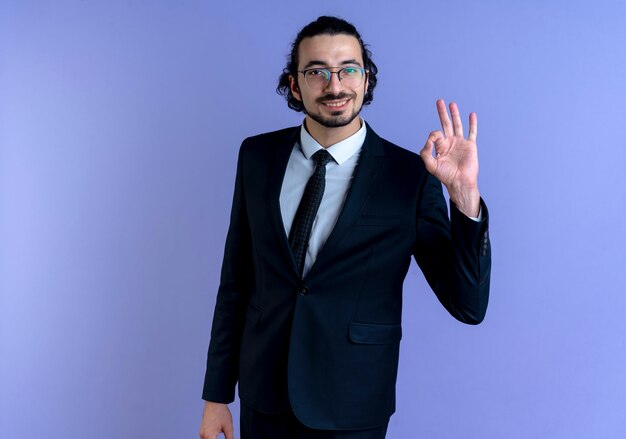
[330,73]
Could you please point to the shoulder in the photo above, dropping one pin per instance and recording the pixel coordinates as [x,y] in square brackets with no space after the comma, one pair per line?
[400,156]
[271,138]
[400,153]
[264,145]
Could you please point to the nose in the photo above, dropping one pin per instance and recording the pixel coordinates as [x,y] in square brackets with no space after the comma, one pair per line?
[334,84]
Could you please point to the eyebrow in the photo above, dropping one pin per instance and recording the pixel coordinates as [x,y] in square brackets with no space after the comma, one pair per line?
[317,62]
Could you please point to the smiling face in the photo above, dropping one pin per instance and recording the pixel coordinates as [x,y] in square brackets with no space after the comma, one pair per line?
[333,106]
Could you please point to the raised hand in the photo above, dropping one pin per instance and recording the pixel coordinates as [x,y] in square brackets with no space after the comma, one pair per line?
[456,161]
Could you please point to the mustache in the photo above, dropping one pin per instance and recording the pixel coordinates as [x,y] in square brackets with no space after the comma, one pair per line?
[338,97]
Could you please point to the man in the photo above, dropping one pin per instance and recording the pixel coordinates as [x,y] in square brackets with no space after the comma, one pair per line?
[325,219]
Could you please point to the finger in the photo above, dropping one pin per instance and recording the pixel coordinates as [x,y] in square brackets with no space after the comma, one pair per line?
[456,119]
[427,155]
[473,130]
[210,434]
[228,431]
[439,142]
[443,117]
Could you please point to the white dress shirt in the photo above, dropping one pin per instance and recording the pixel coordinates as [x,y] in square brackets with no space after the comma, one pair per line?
[339,174]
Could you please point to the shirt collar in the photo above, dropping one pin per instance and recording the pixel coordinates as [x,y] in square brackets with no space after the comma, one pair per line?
[340,151]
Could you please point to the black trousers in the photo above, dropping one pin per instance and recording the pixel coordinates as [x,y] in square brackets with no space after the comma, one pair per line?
[257,425]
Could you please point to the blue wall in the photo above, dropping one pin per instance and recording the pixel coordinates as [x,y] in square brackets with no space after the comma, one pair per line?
[119,128]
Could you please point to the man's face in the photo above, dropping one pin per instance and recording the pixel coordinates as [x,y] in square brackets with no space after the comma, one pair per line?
[333,105]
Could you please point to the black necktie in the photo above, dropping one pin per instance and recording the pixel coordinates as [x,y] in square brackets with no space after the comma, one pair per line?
[307,209]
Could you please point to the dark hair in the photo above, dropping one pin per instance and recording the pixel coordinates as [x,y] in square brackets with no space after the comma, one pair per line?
[324,26]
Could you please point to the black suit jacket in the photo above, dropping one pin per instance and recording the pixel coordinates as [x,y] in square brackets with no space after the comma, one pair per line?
[327,345]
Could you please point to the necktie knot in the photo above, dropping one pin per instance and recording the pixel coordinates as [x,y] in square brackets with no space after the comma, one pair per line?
[322,157]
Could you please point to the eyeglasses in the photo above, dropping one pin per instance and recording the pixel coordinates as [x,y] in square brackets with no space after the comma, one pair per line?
[318,78]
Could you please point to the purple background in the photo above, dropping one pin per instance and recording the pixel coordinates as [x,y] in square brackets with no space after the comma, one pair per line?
[120,123]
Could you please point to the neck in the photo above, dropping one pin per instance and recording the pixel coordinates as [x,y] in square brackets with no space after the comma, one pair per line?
[329,136]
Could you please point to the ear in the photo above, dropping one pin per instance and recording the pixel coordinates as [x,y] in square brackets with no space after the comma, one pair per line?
[295,90]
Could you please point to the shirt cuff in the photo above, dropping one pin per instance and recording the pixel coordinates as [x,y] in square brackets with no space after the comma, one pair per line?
[479,218]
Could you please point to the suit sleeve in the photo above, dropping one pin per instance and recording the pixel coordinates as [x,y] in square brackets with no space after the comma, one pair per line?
[454,254]
[236,281]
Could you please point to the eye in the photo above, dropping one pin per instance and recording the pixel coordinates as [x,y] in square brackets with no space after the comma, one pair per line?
[314,73]
[351,71]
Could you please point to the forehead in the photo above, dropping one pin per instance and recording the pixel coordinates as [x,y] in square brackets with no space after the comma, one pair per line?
[331,50]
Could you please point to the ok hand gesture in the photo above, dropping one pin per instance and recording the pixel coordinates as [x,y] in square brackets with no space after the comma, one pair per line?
[456,161]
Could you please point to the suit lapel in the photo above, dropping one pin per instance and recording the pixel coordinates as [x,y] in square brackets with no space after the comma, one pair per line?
[370,162]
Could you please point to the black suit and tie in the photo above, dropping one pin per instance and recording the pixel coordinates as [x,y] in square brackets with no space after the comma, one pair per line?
[326,346]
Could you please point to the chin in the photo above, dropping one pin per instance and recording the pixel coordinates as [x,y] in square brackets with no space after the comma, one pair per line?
[336,119]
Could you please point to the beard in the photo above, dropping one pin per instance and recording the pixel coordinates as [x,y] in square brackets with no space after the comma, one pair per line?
[337,118]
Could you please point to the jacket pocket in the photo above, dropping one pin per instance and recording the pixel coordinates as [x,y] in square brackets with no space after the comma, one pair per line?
[369,333]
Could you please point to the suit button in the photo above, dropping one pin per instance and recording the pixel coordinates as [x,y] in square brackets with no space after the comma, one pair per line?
[303,291]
